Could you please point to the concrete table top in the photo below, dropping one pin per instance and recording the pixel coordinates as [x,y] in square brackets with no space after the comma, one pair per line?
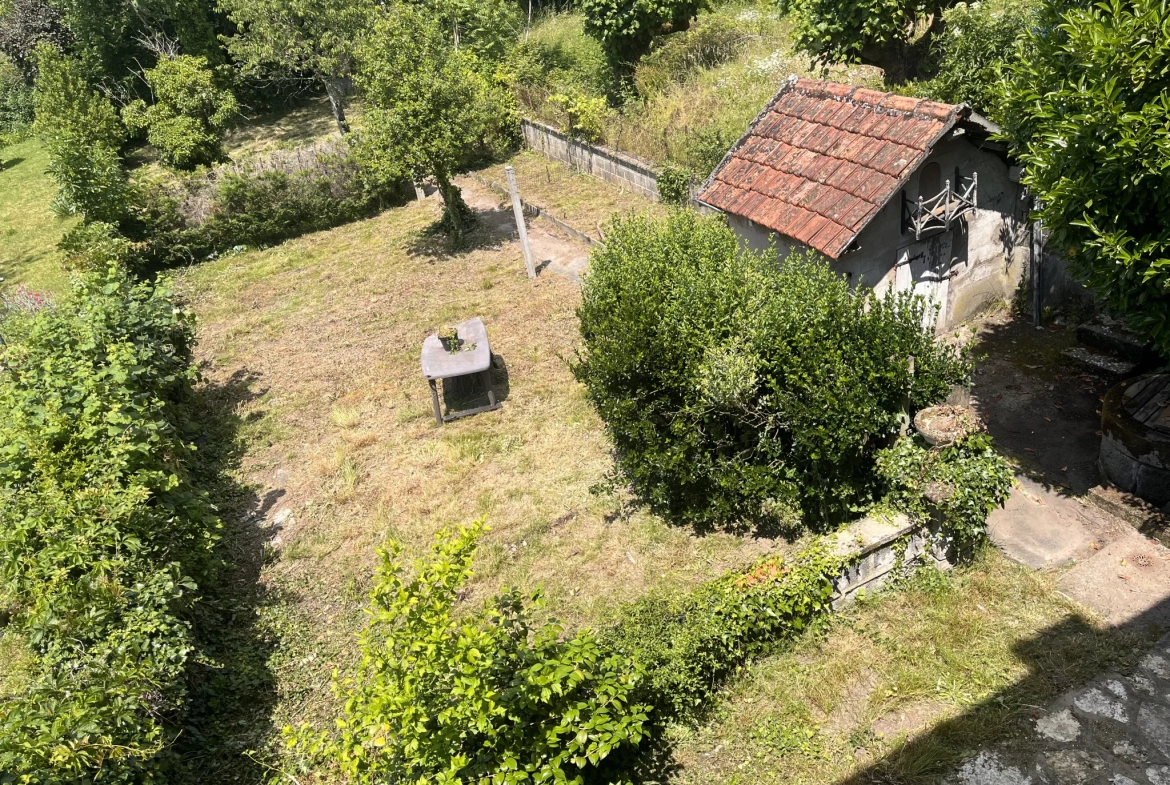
[474,356]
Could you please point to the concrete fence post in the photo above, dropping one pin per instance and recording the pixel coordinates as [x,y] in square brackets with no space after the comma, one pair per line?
[518,209]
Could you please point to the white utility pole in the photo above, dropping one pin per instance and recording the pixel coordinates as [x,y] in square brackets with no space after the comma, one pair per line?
[518,209]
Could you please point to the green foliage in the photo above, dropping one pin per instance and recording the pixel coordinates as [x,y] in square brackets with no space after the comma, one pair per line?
[559,57]
[271,200]
[82,134]
[16,103]
[735,389]
[969,55]
[486,27]
[1086,105]
[288,40]
[26,25]
[481,696]
[584,115]
[113,38]
[102,536]
[873,31]
[190,113]
[674,184]
[974,478]
[690,642]
[96,247]
[715,40]
[429,108]
[626,29]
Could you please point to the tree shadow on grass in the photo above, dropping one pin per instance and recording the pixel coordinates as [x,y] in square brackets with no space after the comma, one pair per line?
[232,689]
[1067,655]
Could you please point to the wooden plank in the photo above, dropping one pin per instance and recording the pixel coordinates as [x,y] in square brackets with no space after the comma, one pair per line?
[1156,402]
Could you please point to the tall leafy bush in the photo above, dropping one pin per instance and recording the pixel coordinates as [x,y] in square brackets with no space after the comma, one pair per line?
[190,113]
[82,135]
[735,388]
[1087,104]
[485,695]
[103,539]
[627,28]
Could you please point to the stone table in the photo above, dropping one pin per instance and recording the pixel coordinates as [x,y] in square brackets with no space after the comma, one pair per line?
[473,358]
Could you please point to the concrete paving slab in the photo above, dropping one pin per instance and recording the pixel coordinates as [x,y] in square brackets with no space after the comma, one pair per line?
[1042,529]
[1127,580]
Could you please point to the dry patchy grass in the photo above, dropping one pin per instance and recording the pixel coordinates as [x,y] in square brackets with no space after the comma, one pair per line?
[582,201]
[339,431]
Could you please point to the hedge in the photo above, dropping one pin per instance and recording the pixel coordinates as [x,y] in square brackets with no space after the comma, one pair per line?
[103,539]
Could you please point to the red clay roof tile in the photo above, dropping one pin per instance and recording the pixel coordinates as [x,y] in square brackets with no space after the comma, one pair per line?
[824,158]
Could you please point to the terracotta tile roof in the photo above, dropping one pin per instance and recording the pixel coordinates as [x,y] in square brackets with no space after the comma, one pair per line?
[823,158]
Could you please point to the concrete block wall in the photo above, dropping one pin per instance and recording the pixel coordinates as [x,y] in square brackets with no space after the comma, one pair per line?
[624,171]
[884,548]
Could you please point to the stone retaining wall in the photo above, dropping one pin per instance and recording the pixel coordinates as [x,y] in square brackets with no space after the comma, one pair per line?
[884,549]
[625,171]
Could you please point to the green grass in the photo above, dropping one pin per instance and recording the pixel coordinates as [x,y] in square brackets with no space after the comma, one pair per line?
[687,86]
[29,232]
[901,686]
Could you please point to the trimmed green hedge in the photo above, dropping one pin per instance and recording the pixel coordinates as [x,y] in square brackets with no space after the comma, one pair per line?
[103,540]
[691,642]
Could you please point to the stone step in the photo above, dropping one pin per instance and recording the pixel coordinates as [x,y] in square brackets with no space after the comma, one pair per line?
[1108,366]
[1113,339]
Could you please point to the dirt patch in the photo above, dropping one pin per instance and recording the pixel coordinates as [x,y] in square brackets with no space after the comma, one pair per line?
[1043,414]
[910,719]
[850,711]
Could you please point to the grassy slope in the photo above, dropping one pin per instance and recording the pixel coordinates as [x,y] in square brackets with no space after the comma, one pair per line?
[681,101]
[28,230]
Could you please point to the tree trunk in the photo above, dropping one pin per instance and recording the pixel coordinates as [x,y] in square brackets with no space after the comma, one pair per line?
[457,211]
[902,60]
[333,87]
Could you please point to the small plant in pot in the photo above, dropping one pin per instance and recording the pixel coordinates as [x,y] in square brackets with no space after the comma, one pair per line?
[944,425]
[449,337]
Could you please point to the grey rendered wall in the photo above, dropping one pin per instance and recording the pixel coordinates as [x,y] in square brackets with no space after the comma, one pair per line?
[620,169]
[989,249]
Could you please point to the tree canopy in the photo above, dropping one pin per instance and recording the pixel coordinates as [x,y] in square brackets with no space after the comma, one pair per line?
[287,39]
[1087,104]
[428,106]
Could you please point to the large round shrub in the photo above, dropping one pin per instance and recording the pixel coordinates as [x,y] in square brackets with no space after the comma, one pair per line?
[739,389]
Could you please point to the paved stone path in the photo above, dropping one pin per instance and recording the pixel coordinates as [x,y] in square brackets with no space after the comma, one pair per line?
[1113,730]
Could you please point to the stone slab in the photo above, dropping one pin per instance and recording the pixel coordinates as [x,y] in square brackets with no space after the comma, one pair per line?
[1127,581]
[476,357]
[1042,529]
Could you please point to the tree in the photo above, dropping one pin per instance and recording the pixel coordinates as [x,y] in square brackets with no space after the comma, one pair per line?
[627,28]
[109,34]
[427,107]
[894,36]
[82,134]
[1087,104]
[288,38]
[190,113]
[25,25]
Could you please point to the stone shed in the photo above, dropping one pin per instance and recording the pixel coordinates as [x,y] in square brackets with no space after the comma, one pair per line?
[895,191]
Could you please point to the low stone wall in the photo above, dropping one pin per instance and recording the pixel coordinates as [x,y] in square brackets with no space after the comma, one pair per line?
[625,171]
[883,549]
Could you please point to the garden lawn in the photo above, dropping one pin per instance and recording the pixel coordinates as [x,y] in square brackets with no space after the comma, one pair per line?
[29,231]
[315,346]
[316,343]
